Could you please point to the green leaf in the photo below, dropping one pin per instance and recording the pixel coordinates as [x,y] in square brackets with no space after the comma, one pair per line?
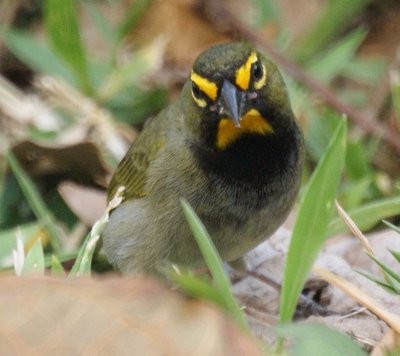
[393,227]
[357,160]
[354,192]
[389,272]
[197,287]
[83,263]
[61,21]
[319,132]
[382,283]
[368,215]
[330,63]
[365,70]
[396,255]
[395,83]
[310,229]
[37,56]
[120,78]
[34,261]
[317,340]
[37,204]
[57,269]
[214,263]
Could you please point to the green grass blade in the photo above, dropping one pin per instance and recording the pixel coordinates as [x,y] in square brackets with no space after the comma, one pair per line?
[35,201]
[61,257]
[214,263]
[393,274]
[310,229]
[57,270]
[38,56]
[385,284]
[83,263]
[34,261]
[396,255]
[197,287]
[393,227]
[317,340]
[329,64]
[395,84]
[368,215]
[61,21]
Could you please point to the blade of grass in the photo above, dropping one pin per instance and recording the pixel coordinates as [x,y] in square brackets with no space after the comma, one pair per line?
[35,201]
[57,270]
[368,215]
[396,255]
[214,263]
[380,282]
[61,21]
[393,227]
[310,229]
[34,261]
[37,56]
[395,84]
[61,257]
[197,287]
[83,262]
[329,64]
[387,270]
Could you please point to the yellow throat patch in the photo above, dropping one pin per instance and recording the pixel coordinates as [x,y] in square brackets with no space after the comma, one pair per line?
[251,122]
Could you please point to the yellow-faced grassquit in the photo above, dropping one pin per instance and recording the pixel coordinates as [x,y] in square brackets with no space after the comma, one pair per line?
[230,146]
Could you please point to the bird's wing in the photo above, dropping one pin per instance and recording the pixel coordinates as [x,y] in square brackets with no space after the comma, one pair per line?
[132,170]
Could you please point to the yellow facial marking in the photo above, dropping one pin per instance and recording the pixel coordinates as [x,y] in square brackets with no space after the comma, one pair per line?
[261,82]
[206,86]
[252,122]
[200,102]
[243,74]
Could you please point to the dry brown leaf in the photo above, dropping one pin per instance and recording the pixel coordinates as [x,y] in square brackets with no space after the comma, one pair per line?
[112,316]
[88,204]
[81,162]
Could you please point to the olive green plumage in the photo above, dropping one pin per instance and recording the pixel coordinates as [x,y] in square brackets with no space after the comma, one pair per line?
[230,145]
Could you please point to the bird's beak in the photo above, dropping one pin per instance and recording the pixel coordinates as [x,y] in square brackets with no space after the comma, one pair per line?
[232,101]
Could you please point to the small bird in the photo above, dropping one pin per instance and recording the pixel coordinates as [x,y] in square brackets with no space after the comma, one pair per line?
[230,145]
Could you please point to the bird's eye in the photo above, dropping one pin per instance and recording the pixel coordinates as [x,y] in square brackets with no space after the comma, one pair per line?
[257,71]
[196,91]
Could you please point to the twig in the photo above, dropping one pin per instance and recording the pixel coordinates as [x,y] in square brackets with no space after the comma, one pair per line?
[367,123]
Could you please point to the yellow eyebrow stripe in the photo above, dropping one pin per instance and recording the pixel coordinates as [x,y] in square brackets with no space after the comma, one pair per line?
[206,86]
[244,72]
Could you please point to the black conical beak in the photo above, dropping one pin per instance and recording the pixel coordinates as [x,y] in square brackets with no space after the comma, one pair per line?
[232,101]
